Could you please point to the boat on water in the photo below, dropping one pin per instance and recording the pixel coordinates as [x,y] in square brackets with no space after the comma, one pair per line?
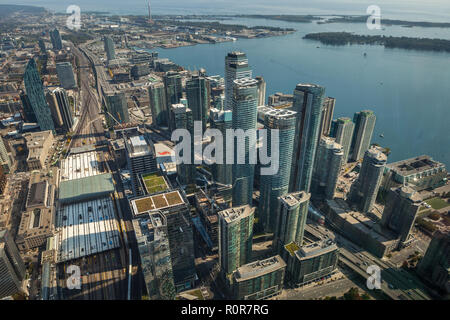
[381,135]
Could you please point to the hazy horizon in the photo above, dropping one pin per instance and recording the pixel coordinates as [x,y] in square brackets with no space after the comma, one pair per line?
[431,10]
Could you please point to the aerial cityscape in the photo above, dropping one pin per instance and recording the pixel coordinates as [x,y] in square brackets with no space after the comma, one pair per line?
[151,154]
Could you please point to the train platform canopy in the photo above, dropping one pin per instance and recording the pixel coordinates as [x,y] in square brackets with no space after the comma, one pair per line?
[84,189]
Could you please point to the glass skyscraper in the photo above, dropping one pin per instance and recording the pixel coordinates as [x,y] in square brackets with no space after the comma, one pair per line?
[222,120]
[276,185]
[364,125]
[236,67]
[36,96]
[158,104]
[308,103]
[108,44]
[198,96]
[55,37]
[244,106]
[342,130]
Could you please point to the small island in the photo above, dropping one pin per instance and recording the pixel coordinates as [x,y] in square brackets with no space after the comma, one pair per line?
[346,38]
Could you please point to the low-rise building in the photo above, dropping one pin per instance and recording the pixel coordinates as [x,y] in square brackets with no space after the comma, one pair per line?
[35,227]
[310,262]
[259,280]
[38,145]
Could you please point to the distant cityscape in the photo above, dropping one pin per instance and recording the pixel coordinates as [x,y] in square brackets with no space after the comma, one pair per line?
[94,205]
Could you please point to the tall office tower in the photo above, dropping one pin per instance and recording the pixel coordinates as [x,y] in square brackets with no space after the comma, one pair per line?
[35,92]
[342,130]
[236,67]
[154,251]
[219,102]
[158,104]
[54,109]
[64,108]
[198,97]
[141,159]
[364,125]
[12,268]
[108,45]
[5,160]
[276,185]
[328,163]
[28,111]
[65,75]
[308,101]
[363,191]
[2,180]
[291,213]
[55,37]
[183,119]
[42,46]
[117,107]
[327,116]
[174,92]
[435,264]
[402,205]
[244,107]
[222,120]
[235,237]
[261,91]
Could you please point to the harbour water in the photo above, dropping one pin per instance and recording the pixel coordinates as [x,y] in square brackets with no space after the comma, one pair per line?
[408,90]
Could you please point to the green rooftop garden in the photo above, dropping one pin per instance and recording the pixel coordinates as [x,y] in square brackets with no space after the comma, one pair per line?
[154,183]
[292,248]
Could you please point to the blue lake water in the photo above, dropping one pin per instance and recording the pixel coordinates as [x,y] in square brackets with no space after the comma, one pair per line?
[409,91]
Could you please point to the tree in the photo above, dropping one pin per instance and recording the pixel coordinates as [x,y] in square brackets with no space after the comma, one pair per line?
[352,294]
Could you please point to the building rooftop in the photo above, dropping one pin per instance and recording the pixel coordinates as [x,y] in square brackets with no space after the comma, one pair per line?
[245,82]
[292,199]
[259,268]
[154,182]
[139,146]
[37,194]
[414,165]
[86,188]
[156,202]
[80,165]
[86,228]
[316,249]
[235,213]
[38,221]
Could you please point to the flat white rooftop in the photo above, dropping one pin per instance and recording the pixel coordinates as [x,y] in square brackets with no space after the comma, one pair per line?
[81,165]
[85,228]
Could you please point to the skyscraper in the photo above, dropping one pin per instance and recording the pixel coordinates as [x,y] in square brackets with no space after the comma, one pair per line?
[342,130]
[108,45]
[236,67]
[65,75]
[222,120]
[291,216]
[327,116]
[261,91]
[55,37]
[435,264]
[117,107]
[400,211]
[235,237]
[198,97]
[308,101]
[158,105]
[12,268]
[27,108]
[36,96]
[244,107]
[54,109]
[141,159]
[183,119]
[174,92]
[362,136]
[275,185]
[327,166]
[364,190]
[42,46]
[64,108]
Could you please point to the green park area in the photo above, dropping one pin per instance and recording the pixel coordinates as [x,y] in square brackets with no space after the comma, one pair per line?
[437,203]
